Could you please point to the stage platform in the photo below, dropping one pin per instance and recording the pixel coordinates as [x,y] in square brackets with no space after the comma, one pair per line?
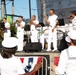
[22,53]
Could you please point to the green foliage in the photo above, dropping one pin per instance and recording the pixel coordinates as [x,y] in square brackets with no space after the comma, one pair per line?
[13,30]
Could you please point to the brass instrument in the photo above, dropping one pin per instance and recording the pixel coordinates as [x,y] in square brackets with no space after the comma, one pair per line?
[30,22]
[17,22]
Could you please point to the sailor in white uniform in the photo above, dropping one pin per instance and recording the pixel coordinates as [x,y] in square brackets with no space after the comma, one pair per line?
[52,21]
[73,19]
[7,32]
[67,62]
[20,32]
[34,33]
[10,64]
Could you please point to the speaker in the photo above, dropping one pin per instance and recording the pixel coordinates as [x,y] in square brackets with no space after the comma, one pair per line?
[33,47]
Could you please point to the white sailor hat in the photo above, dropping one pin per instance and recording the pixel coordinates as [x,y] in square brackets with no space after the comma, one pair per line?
[67,39]
[72,34]
[10,42]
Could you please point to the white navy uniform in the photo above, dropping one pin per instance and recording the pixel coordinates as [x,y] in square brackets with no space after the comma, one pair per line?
[7,33]
[11,66]
[53,20]
[67,62]
[74,22]
[20,36]
[34,32]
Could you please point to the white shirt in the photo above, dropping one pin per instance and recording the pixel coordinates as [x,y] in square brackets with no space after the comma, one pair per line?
[7,25]
[67,62]
[19,29]
[74,21]
[53,20]
[33,26]
[11,66]
[36,21]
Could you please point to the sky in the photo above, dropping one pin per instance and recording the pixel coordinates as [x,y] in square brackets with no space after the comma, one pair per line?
[21,7]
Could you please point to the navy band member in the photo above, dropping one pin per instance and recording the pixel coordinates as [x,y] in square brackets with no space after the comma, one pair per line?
[7,32]
[34,23]
[20,32]
[52,21]
[73,19]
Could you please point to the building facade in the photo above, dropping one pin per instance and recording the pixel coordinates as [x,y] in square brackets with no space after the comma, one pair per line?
[62,8]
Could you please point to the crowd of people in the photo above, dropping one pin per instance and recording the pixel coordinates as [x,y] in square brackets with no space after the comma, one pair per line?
[67,61]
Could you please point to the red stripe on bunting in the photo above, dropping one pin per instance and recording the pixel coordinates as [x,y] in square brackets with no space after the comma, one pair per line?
[22,60]
[39,60]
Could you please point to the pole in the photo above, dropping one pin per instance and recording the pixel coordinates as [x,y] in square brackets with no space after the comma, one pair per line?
[30,9]
[2,8]
[44,10]
[12,11]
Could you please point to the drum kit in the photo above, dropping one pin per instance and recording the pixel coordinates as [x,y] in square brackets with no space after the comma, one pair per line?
[44,30]
[61,31]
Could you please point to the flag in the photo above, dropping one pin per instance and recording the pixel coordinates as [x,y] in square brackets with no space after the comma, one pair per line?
[29,63]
